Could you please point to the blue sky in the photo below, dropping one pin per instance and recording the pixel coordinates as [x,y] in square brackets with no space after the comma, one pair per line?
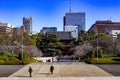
[51,12]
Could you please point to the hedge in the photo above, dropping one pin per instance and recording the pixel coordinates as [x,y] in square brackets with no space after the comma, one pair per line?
[102,61]
[2,62]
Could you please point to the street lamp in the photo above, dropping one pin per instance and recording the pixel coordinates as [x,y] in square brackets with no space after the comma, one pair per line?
[97,44]
[22,49]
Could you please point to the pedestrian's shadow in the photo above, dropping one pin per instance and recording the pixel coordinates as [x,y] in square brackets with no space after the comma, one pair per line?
[22,76]
[44,73]
[47,74]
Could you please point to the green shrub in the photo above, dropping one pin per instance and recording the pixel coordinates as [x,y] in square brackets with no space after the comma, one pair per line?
[2,62]
[5,58]
[118,55]
[12,58]
[116,58]
[29,60]
[5,53]
[20,55]
[100,61]
[100,53]
[109,55]
[91,54]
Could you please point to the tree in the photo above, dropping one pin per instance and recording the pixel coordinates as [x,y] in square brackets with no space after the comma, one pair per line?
[83,49]
[90,35]
[82,35]
[49,44]
[34,38]
[33,51]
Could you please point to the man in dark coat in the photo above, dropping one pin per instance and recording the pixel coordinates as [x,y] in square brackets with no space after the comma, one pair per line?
[30,71]
[51,69]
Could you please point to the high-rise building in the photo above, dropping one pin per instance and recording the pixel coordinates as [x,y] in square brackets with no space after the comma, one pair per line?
[74,19]
[27,22]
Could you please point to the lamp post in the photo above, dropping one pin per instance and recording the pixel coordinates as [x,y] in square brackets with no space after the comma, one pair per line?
[97,44]
[22,49]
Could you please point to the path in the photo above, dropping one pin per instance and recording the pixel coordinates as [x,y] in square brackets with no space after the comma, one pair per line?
[62,69]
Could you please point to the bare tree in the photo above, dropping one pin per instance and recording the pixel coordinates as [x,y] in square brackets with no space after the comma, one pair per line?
[83,49]
[33,51]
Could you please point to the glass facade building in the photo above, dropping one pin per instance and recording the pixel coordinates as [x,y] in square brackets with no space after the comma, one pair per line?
[75,19]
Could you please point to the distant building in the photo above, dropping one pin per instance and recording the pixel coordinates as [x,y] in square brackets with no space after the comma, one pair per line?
[73,30]
[19,30]
[105,26]
[65,37]
[6,29]
[74,19]
[50,29]
[114,33]
[27,22]
[16,30]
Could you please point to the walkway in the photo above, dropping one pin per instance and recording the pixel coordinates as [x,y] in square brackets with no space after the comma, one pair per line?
[62,69]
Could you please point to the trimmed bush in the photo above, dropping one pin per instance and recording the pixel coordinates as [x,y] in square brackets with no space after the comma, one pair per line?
[100,61]
[116,58]
[30,60]
[6,53]
[13,62]
[13,58]
[2,62]
[5,58]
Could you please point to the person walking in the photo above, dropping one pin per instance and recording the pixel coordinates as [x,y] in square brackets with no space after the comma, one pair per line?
[51,69]
[30,71]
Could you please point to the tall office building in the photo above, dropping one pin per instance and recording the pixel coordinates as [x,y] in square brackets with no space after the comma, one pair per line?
[27,23]
[74,19]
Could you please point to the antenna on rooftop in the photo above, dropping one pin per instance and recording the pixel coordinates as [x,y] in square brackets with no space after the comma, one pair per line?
[70,5]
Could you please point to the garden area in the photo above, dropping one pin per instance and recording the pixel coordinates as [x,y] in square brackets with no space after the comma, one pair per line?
[97,48]
[7,58]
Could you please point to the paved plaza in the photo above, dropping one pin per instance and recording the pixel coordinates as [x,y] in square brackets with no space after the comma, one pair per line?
[62,69]
[64,78]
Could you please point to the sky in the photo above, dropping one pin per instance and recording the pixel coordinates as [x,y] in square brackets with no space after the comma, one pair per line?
[49,13]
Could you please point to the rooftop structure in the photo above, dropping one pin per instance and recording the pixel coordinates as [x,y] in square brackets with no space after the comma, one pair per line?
[63,35]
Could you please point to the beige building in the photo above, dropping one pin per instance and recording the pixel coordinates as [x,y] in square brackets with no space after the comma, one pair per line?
[6,29]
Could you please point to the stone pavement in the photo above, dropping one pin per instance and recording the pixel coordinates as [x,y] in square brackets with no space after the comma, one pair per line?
[64,78]
[62,69]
